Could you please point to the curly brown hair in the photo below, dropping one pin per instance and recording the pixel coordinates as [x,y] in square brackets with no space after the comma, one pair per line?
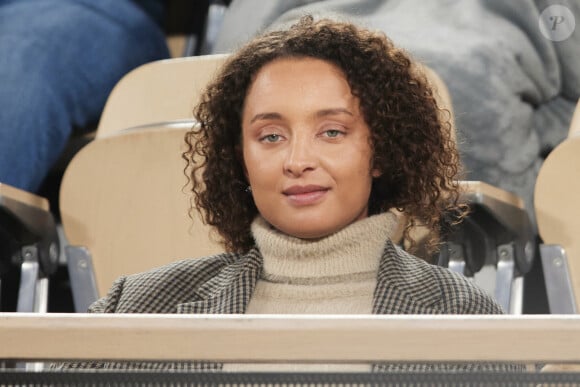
[413,146]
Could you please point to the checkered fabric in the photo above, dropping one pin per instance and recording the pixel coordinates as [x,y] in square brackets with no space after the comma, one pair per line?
[223,284]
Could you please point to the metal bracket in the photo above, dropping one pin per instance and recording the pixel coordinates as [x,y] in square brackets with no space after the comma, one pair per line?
[557,277]
[82,277]
[504,275]
[456,257]
[33,290]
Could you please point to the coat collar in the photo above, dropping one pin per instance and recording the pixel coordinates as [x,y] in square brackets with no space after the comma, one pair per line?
[404,286]
[228,292]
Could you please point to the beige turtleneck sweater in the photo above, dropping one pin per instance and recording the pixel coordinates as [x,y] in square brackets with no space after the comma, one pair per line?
[332,275]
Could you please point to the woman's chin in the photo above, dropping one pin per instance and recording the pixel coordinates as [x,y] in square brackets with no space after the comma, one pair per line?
[310,233]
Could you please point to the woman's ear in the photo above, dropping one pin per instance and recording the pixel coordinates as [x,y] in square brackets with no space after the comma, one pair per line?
[376,173]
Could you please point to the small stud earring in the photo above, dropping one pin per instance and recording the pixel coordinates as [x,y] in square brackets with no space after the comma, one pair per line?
[248,189]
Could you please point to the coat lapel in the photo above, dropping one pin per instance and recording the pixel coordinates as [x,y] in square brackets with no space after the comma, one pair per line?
[404,286]
[228,292]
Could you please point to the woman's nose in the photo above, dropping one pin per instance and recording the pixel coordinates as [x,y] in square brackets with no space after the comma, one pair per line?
[300,157]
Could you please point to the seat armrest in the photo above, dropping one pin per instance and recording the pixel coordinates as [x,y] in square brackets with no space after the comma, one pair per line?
[25,220]
[497,218]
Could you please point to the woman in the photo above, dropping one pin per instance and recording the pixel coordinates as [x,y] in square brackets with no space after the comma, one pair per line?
[308,138]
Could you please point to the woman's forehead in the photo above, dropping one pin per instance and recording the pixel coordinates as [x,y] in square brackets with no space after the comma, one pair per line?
[300,80]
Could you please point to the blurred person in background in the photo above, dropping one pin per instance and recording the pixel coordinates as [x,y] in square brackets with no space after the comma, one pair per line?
[59,60]
[512,68]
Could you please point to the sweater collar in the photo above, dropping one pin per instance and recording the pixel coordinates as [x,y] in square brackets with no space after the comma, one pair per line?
[353,251]
[404,286]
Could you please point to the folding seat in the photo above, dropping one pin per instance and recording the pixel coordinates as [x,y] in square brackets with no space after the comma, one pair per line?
[130,179]
[29,244]
[29,250]
[558,216]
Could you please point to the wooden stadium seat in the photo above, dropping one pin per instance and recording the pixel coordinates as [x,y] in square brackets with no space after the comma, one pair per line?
[29,250]
[557,206]
[160,91]
[123,198]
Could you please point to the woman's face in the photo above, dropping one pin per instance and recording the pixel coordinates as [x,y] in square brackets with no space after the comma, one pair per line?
[306,148]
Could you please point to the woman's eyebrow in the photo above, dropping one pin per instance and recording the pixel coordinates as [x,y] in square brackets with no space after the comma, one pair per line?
[266,116]
[318,114]
[332,112]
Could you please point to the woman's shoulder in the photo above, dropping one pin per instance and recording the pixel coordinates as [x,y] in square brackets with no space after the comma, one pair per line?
[447,292]
[161,289]
[461,295]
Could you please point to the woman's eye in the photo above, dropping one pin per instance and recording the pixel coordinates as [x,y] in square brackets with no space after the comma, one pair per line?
[332,133]
[271,138]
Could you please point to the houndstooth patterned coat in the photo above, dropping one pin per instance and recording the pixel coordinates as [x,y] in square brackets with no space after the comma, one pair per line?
[223,284]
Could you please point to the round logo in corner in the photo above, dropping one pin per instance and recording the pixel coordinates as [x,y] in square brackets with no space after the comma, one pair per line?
[557,23]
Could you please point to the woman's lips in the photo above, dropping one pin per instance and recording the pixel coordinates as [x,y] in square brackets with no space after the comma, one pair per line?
[306,198]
